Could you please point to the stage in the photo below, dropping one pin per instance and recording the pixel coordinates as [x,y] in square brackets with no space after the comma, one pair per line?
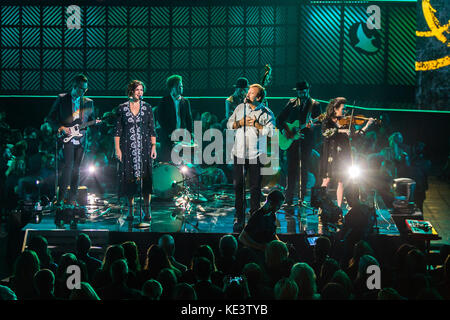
[211,212]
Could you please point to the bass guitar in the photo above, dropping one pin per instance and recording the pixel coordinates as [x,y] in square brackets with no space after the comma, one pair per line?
[75,130]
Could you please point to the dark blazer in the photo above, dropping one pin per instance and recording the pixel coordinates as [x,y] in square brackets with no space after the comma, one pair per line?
[166,117]
[61,112]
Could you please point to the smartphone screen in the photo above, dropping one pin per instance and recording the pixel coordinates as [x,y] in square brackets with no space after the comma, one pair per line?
[312,241]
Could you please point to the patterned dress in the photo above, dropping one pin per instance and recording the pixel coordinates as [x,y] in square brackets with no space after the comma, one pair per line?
[336,157]
[133,144]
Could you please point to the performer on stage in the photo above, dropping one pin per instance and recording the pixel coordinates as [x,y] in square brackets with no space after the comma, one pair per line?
[336,158]
[135,144]
[261,227]
[67,109]
[302,108]
[173,112]
[259,122]
[240,91]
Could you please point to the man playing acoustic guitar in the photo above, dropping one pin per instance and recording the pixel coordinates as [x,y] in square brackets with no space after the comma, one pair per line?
[302,109]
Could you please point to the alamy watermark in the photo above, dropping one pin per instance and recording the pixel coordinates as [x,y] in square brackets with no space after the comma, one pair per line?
[212,153]
[374,279]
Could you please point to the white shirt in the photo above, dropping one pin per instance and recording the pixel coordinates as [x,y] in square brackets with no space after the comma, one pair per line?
[254,145]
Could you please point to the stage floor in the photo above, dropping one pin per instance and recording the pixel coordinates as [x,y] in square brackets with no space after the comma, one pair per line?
[215,214]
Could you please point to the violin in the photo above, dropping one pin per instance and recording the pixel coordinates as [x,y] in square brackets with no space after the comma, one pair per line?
[356,120]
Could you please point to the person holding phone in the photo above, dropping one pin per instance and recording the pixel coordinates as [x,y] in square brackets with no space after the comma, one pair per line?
[261,227]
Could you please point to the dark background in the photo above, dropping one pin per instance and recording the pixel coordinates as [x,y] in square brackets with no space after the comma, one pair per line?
[211,44]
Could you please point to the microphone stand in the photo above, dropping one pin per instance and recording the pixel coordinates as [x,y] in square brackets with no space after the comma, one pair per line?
[243,166]
[141,225]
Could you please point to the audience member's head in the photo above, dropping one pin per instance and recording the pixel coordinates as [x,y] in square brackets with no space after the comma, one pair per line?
[361,248]
[83,244]
[6,294]
[334,291]
[66,260]
[322,248]
[44,282]
[343,279]
[40,245]
[86,292]
[25,267]
[228,246]
[167,243]
[285,289]
[364,262]
[113,253]
[184,291]
[389,294]
[202,268]
[275,200]
[208,253]
[119,271]
[276,253]
[329,267]
[168,281]
[131,254]
[305,278]
[156,260]
[253,273]
[152,289]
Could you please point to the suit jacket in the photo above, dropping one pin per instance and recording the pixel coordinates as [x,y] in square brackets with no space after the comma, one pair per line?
[61,112]
[166,117]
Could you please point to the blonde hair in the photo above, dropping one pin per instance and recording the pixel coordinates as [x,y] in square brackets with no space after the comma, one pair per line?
[261,90]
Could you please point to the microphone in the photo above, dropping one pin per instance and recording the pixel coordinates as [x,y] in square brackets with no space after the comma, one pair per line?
[141,98]
[247,100]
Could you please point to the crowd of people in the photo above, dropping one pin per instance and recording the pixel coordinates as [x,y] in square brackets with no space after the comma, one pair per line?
[230,271]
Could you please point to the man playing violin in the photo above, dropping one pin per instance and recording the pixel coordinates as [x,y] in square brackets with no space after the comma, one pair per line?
[336,155]
[302,108]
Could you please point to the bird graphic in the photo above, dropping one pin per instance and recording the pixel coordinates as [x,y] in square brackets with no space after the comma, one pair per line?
[436,30]
[364,42]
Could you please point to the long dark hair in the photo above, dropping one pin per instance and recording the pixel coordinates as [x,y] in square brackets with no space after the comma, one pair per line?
[333,105]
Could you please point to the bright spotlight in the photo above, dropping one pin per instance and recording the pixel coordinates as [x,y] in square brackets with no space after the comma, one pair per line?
[91,169]
[354,172]
[37,182]
[184,169]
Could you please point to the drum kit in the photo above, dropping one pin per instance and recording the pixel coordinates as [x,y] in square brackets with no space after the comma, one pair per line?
[170,180]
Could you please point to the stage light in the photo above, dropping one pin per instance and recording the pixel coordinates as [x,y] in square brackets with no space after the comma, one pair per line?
[37,182]
[354,172]
[91,169]
[184,169]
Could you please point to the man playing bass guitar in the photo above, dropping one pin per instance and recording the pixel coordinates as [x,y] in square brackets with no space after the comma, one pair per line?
[302,109]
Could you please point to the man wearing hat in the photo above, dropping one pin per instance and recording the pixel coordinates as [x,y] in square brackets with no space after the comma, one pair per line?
[240,91]
[302,108]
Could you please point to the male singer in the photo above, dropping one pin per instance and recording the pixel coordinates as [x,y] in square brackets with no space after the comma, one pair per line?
[259,122]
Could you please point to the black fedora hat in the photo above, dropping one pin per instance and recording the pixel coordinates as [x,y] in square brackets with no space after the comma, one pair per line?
[241,83]
[302,85]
